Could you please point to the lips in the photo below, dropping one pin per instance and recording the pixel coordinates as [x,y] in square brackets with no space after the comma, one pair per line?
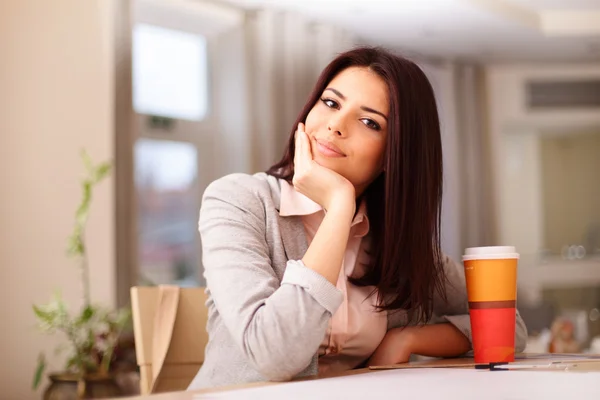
[329,147]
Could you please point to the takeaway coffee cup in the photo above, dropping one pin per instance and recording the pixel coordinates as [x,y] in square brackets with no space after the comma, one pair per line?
[491,277]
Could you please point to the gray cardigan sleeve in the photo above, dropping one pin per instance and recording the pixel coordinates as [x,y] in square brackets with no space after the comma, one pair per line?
[277,325]
[456,310]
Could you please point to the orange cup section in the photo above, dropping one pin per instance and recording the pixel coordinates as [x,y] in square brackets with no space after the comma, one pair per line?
[491,280]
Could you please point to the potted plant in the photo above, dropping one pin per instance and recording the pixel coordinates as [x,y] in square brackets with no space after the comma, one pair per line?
[92,333]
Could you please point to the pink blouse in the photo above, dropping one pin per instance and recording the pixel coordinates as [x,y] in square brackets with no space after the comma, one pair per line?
[356,329]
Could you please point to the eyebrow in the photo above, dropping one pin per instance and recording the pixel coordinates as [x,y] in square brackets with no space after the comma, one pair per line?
[367,109]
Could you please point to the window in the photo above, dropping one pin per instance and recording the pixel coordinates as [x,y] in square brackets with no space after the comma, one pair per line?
[170,73]
[167,194]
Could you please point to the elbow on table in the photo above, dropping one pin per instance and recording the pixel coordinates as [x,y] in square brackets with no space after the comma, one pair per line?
[278,358]
[278,376]
[520,343]
[521,337]
[279,370]
[278,365]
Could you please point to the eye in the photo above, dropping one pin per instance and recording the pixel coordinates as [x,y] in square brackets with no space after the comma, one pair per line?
[330,103]
[371,124]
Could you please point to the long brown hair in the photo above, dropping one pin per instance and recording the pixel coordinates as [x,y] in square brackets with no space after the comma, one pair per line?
[404,201]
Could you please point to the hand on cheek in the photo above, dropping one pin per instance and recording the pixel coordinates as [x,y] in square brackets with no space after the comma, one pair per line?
[320,184]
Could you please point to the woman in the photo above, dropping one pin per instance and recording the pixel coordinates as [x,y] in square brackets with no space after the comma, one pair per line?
[331,260]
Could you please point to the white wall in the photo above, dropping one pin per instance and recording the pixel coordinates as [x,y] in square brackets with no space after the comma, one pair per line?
[513,131]
[56,80]
[571,188]
[520,194]
[509,115]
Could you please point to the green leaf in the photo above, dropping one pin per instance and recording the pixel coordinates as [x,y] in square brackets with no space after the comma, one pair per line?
[38,312]
[75,245]
[44,316]
[62,306]
[87,161]
[84,207]
[87,313]
[39,371]
[71,362]
[102,171]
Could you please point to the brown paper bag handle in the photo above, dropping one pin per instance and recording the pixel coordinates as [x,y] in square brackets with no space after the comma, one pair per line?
[164,322]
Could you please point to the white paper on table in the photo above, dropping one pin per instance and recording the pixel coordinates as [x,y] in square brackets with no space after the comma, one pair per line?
[431,383]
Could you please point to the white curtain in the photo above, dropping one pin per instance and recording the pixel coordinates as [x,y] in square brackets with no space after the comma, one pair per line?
[285,54]
[467,207]
[441,76]
[477,222]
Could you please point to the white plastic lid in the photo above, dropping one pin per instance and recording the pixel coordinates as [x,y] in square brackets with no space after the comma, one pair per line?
[490,252]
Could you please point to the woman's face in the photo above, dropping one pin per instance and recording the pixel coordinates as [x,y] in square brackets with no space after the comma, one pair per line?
[348,126]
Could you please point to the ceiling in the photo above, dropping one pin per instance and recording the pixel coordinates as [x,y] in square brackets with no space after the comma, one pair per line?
[478,30]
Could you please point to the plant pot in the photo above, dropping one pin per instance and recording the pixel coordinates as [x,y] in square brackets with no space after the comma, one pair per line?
[71,387]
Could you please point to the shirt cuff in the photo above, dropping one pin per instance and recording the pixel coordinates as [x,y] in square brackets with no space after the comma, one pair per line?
[323,291]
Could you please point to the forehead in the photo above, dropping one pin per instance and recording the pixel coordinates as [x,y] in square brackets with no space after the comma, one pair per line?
[360,84]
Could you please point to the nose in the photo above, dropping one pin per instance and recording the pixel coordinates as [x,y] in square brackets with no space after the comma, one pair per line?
[337,126]
[335,132]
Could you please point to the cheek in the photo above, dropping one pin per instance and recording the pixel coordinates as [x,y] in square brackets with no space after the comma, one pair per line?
[309,122]
[371,152]
[313,119]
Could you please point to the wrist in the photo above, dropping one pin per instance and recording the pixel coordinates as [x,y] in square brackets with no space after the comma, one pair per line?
[342,201]
[407,337]
[342,210]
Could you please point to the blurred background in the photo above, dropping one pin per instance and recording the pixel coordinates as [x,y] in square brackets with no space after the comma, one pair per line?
[180,92]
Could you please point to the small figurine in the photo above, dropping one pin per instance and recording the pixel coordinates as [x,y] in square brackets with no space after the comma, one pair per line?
[563,337]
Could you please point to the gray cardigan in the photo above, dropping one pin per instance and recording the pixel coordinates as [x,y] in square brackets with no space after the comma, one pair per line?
[267,312]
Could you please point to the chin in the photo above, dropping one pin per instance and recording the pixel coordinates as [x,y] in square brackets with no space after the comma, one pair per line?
[332,164]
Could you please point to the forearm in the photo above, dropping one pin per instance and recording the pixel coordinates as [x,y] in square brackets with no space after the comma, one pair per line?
[438,340]
[326,251]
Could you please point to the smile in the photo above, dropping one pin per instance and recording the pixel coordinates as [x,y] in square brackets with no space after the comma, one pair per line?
[328,149]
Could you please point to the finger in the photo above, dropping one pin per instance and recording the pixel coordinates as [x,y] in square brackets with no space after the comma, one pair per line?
[305,149]
[306,155]
[309,148]
[308,142]
[298,161]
